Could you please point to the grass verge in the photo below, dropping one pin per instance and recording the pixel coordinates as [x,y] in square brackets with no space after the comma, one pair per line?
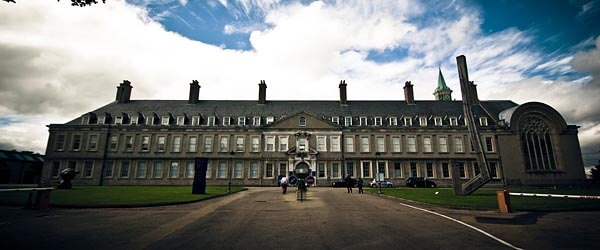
[485,198]
[119,196]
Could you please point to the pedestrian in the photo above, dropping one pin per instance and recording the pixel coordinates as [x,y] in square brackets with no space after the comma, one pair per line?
[349,183]
[361,183]
[284,184]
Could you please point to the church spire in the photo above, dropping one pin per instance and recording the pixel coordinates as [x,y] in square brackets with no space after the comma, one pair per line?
[442,92]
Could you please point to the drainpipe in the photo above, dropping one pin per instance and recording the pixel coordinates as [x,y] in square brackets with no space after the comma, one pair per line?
[104,155]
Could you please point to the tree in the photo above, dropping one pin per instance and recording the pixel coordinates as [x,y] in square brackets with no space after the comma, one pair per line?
[78,3]
[596,172]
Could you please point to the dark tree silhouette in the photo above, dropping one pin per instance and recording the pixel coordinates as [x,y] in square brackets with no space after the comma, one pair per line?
[78,3]
[596,172]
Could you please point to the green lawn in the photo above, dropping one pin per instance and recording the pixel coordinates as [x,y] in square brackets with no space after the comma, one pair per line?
[96,196]
[486,198]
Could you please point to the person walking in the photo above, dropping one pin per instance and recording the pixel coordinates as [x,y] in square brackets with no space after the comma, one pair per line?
[284,184]
[361,183]
[349,183]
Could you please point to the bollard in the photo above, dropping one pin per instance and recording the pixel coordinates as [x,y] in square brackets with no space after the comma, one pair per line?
[42,199]
[504,201]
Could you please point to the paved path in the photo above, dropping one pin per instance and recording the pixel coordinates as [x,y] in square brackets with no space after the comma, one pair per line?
[263,218]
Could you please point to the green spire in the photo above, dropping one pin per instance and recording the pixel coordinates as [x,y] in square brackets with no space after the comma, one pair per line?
[441,83]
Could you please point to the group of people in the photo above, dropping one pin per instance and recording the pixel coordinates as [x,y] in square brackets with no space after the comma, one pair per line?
[350,184]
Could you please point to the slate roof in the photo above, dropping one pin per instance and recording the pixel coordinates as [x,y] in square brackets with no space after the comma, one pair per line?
[13,155]
[249,108]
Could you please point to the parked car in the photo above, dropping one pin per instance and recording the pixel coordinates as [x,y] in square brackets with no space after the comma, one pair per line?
[342,183]
[419,182]
[383,184]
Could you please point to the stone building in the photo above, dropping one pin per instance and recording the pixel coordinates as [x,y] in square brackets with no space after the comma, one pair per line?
[155,142]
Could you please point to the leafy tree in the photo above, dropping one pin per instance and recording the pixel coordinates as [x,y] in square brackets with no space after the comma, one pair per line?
[78,3]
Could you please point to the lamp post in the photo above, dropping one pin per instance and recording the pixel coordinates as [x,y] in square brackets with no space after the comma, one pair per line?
[377,154]
[230,172]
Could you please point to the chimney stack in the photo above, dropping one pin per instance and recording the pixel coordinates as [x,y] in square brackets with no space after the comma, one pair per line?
[194,92]
[124,92]
[473,93]
[262,92]
[343,96]
[409,96]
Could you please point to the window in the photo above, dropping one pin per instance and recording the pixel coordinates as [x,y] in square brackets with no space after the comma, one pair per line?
[180,120]
[269,170]
[321,144]
[335,120]
[364,144]
[413,169]
[283,144]
[253,170]
[161,143]
[239,144]
[145,143]
[302,121]
[349,144]
[489,144]
[85,120]
[321,169]
[224,144]
[270,119]
[407,121]
[124,169]
[101,119]
[393,121]
[397,170]
[396,144]
[429,168]
[335,170]
[60,143]
[189,170]
[256,121]
[461,170]
[210,121]
[380,144]
[208,170]
[114,143]
[119,120]
[453,121]
[192,143]
[128,143]
[72,165]
[437,121]
[270,144]
[335,144]
[255,144]
[423,121]
[109,169]
[242,121]
[150,120]
[174,169]
[443,141]
[445,170]
[92,142]
[302,144]
[157,171]
[176,144]
[88,167]
[141,169]
[412,144]
[363,121]
[350,168]
[208,143]
[536,143]
[134,120]
[483,121]
[76,142]
[348,121]
[283,169]
[164,120]
[458,144]
[226,121]
[195,120]
[366,169]
[238,170]
[476,168]
[427,144]
[378,121]
[382,168]
[55,169]
[493,170]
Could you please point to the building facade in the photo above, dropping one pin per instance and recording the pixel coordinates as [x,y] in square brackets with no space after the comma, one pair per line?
[155,142]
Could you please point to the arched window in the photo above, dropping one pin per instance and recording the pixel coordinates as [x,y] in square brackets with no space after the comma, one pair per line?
[537,144]
[302,121]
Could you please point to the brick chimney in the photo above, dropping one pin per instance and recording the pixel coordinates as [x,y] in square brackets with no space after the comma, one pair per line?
[124,92]
[343,96]
[409,96]
[262,92]
[194,92]
[473,93]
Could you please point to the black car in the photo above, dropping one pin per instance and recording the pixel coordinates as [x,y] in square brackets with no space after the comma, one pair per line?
[419,182]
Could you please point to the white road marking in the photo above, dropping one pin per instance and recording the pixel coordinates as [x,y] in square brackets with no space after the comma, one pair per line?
[467,225]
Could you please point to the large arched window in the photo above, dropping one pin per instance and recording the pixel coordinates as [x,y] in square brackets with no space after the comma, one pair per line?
[536,143]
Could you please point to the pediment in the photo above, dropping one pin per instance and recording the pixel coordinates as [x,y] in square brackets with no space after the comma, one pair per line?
[311,122]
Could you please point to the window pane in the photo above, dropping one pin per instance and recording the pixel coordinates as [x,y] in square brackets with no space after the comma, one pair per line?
[157,172]
[174,169]
[141,169]
[189,172]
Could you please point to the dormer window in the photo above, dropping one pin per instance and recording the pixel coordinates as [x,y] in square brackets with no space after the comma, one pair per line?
[423,121]
[453,121]
[483,121]
[150,120]
[335,120]
[119,120]
[180,120]
[85,120]
[348,121]
[226,121]
[393,121]
[242,121]
[438,121]
[270,119]
[101,119]
[165,120]
[363,121]
[134,120]
[377,121]
[407,121]
[256,121]
[195,120]
[210,121]
[302,121]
